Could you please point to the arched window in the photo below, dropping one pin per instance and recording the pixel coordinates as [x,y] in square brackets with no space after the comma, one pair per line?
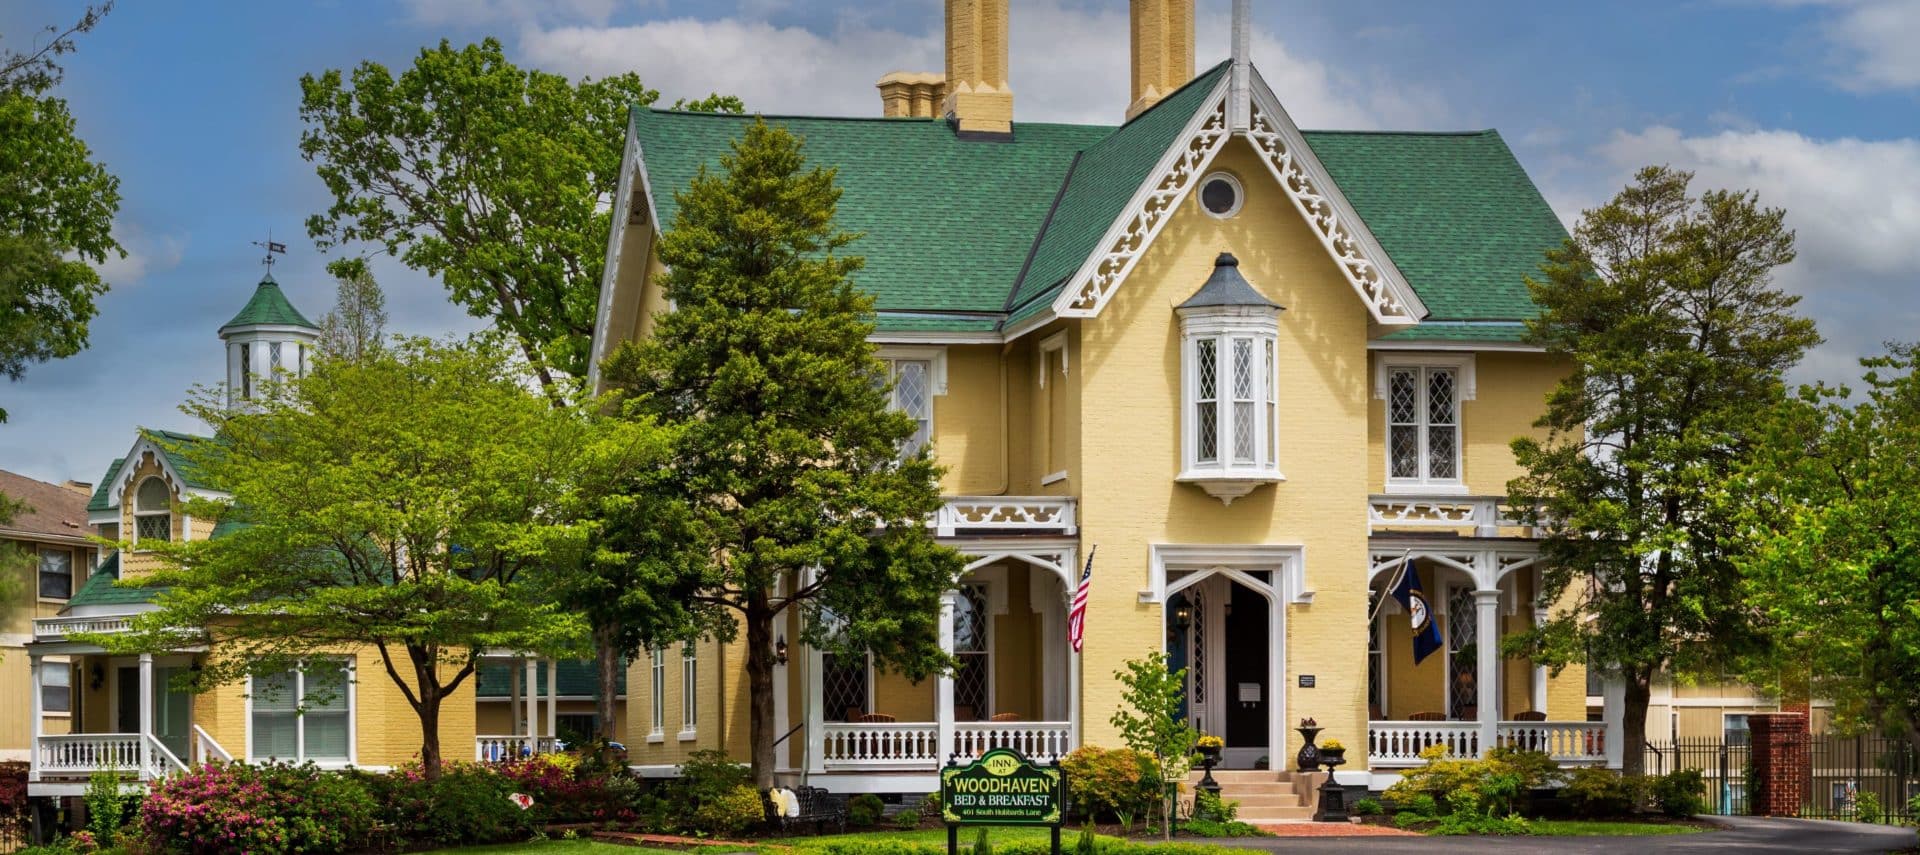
[152,511]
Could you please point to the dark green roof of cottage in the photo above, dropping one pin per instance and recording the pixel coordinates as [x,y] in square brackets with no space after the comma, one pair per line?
[103,493]
[101,590]
[269,307]
[964,235]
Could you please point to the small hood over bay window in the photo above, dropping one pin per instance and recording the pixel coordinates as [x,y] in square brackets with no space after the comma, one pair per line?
[1229,420]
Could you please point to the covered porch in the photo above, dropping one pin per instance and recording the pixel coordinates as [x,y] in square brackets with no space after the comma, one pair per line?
[128,713]
[1016,684]
[1465,695]
[530,708]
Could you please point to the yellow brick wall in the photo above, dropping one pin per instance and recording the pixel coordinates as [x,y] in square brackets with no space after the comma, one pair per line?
[1511,392]
[969,425]
[720,709]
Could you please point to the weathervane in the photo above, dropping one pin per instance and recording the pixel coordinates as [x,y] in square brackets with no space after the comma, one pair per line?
[271,246]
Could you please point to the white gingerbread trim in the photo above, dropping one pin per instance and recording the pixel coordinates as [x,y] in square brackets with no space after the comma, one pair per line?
[143,448]
[1152,206]
[632,168]
[1332,219]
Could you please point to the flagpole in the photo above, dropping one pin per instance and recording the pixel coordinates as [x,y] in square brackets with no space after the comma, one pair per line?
[1388,591]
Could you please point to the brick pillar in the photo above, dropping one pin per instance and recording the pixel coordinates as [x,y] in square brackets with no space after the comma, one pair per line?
[1777,775]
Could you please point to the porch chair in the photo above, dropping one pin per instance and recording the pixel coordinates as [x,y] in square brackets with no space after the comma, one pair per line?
[1005,716]
[1530,715]
[874,718]
[1427,716]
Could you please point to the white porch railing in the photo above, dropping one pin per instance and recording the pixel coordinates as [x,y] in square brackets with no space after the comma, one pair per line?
[205,748]
[1040,741]
[79,754]
[1006,515]
[493,749]
[1567,742]
[880,745]
[161,761]
[1486,515]
[56,628]
[1399,743]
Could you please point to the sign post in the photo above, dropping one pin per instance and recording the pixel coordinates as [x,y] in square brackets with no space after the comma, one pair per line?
[1002,787]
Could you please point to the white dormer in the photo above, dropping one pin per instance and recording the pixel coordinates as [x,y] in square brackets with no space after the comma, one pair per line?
[1229,413]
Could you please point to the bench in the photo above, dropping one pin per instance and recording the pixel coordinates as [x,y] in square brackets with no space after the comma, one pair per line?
[817,806]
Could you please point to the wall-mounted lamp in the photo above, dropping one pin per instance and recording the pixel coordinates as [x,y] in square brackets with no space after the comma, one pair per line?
[780,650]
[96,677]
[1183,615]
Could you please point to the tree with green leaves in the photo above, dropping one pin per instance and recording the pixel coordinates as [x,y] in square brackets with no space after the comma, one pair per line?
[1152,720]
[1663,306]
[420,501]
[789,461]
[1829,507]
[56,211]
[357,325]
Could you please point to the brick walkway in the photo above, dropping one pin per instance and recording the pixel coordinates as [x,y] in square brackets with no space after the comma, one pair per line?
[1333,829]
[630,839]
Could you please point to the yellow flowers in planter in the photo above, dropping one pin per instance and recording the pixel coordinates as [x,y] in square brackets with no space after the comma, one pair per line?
[1209,742]
[1332,745]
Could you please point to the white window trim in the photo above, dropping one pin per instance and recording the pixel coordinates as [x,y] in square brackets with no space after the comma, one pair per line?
[1055,342]
[936,355]
[140,511]
[300,728]
[1223,478]
[39,576]
[1465,388]
[657,702]
[689,692]
[1239,194]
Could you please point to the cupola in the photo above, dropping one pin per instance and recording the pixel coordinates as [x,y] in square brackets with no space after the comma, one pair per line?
[1229,423]
[269,335]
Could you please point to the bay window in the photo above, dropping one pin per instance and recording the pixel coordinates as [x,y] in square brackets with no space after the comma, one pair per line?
[1229,386]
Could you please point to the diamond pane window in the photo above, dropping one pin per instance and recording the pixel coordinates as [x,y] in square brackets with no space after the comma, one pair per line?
[1423,425]
[970,648]
[1463,626]
[843,685]
[913,394]
[273,356]
[1206,408]
[246,369]
[1233,406]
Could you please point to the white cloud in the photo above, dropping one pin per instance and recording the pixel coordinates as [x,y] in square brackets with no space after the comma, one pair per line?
[145,254]
[1873,40]
[1067,65]
[474,12]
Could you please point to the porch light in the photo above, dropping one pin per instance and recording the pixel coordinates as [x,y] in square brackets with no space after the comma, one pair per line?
[780,650]
[1183,615]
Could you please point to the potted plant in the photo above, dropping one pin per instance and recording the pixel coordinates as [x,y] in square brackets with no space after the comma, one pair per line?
[1332,753]
[1209,747]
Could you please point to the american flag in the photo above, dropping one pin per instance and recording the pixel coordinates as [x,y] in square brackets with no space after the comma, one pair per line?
[1077,617]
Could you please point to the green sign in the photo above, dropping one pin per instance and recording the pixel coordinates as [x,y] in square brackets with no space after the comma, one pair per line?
[1002,788]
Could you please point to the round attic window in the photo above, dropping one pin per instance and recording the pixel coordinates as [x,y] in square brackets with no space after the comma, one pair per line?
[1220,195]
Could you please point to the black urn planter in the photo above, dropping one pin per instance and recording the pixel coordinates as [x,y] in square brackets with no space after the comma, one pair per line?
[1209,757]
[1333,797]
[1308,759]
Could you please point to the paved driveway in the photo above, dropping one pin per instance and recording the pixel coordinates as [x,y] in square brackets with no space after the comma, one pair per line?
[1747,834]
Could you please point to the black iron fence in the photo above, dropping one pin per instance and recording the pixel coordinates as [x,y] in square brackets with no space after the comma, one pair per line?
[1860,777]
[1723,765]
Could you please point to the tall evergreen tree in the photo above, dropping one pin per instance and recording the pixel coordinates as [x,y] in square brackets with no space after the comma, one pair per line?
[1664,305]
[358,322]
[789,461]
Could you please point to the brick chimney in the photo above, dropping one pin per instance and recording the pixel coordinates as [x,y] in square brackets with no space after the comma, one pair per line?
[1161,36]
[973,94]
[915,94]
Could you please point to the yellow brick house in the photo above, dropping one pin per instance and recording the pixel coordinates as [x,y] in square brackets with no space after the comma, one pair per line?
[1260,369]
[138,715]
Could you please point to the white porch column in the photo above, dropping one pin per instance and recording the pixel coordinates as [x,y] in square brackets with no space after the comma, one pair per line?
[553,698]
[37,667]
[1487,678]
[943,686]
[816,703]
[146,711]
[1539,671]
[513,700]
[533,696]
[1614,710]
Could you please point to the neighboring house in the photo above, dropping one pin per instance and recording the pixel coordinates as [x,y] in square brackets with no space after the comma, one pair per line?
[1257,367]
[129,713]
[46,550]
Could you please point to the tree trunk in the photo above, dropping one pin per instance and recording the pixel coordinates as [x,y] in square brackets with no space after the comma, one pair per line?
[759,616]
[430,731]
[1633,720]
[607,654]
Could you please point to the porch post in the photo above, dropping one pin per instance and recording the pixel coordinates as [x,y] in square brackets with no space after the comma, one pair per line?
[1487,678]
[513,700]
[37,667]
[553,698]
[1613,711]
[533,697]
[815,712]
[1539,671]
[146,711]
[943,686]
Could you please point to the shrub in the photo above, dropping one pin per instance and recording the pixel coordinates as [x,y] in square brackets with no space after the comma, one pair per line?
[1209,806]
[1866,806]
[566,790]
[1083,843]
[1679,793]
[106,806]
[1117,782]
[729,813]
[1595,792]
[708,775]
[268,808]
[466,805]
[13,793]
[1368,807]
[864,810]
[1497,785]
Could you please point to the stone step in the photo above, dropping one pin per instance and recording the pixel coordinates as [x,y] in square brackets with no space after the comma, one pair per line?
[1274,814]
[1262,801]
[1237,790]
[1237,775]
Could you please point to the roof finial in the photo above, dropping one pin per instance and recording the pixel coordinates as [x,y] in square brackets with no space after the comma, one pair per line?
[271,246]
[1239,84]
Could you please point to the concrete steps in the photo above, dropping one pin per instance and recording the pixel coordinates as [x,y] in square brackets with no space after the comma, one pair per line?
[1265,796]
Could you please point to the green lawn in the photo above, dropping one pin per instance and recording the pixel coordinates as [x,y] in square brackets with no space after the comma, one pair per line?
[1590,828]
[569,847]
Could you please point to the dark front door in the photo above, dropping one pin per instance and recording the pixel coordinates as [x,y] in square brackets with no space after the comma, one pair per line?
[1247,693]
[126,701]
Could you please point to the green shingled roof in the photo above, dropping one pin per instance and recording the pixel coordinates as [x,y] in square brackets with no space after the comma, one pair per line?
[1502,331]
[575,679]
[102,493]
[269,306]
[972,235]
[100,589]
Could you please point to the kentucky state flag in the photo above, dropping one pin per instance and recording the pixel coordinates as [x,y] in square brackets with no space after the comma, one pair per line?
[1426,636]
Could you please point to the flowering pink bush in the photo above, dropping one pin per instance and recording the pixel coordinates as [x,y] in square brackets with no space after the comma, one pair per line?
[222,808]
[565,790]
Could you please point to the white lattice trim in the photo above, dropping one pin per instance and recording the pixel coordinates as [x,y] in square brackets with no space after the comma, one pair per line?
[1359,256]
[1152,206]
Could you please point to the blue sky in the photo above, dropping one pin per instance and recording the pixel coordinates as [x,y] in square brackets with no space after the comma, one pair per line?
[1814,103]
